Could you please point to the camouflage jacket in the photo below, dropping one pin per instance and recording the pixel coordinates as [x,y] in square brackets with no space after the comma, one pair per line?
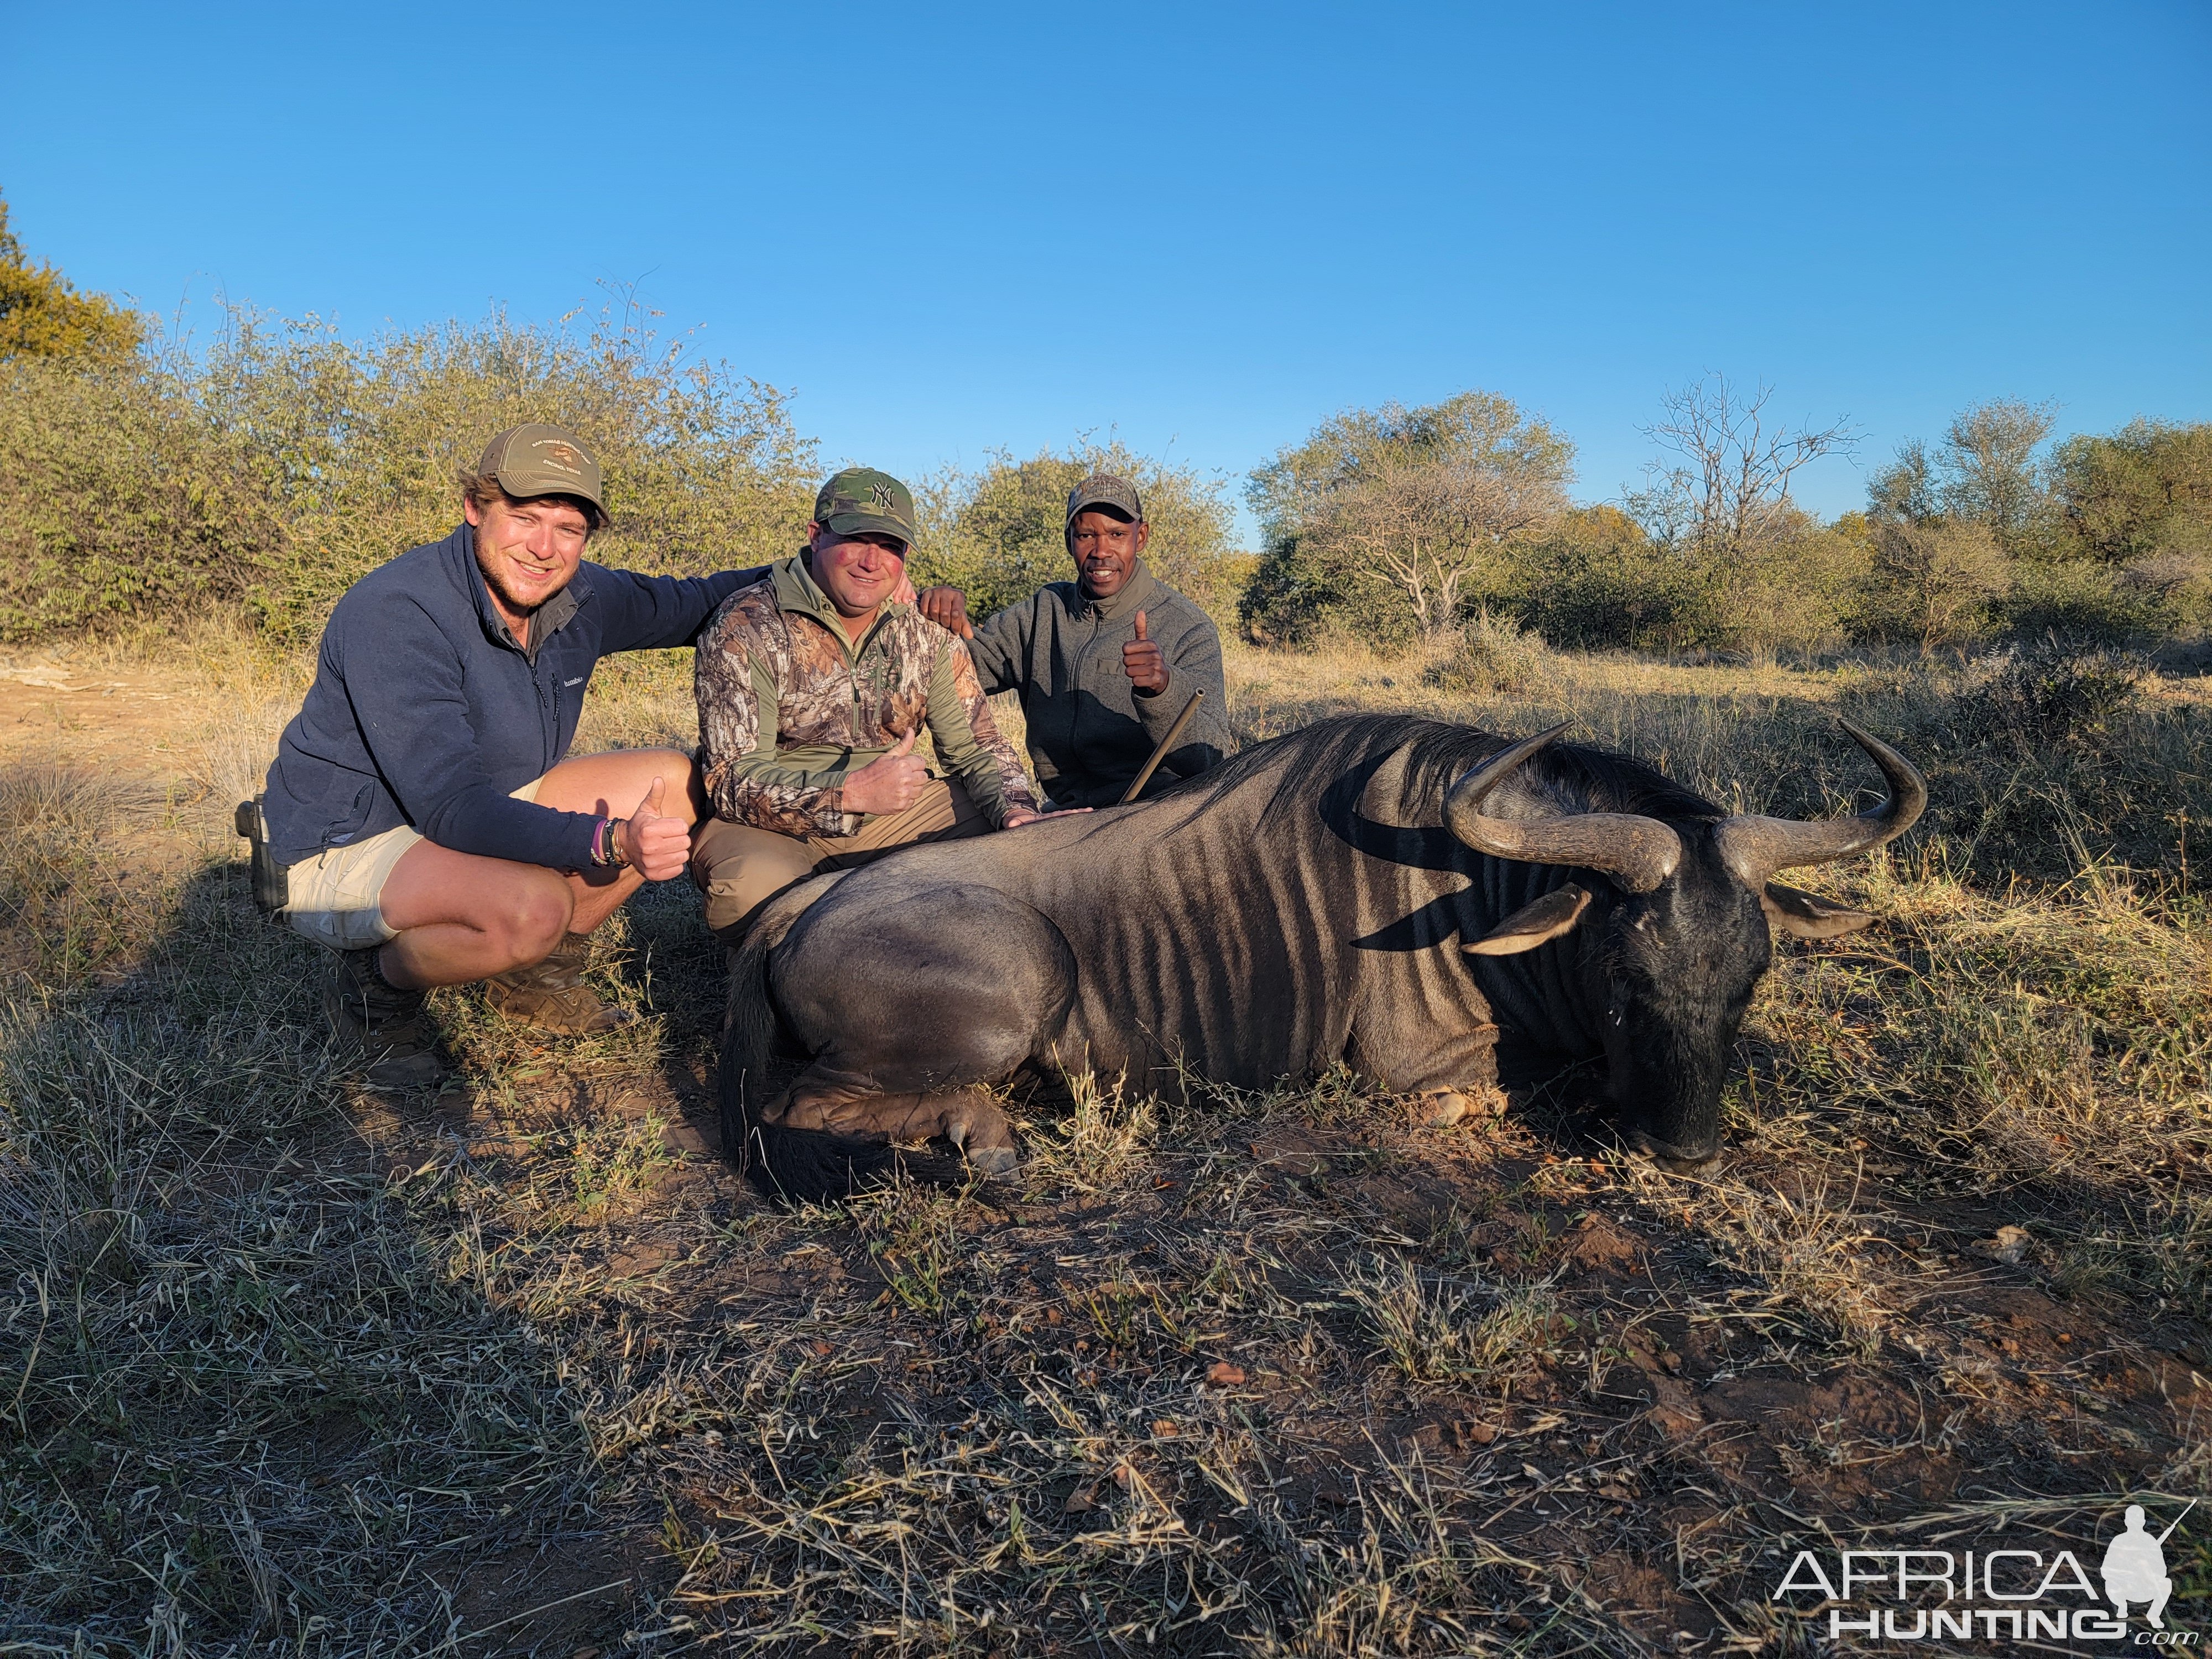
[788,706]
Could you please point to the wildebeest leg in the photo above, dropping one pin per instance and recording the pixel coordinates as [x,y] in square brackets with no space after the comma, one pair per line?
[1449,1080]
[827,1101]
[911,1005]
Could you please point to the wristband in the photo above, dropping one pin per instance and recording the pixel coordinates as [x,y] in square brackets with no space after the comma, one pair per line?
[606,843]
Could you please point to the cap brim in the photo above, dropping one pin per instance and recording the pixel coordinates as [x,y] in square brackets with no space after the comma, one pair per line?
[1096,502]
[869,524]
[529,487]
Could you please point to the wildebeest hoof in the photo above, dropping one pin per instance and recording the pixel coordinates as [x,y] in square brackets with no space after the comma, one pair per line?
[1671,1158]
[995,1160]
[1442,1108]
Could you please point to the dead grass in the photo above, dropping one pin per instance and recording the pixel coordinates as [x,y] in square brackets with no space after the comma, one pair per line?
[524,1369]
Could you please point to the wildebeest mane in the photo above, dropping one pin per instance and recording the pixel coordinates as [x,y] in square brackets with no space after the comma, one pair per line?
[1579,778]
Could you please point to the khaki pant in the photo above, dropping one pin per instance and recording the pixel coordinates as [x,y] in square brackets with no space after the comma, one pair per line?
[740,868]
[336,898]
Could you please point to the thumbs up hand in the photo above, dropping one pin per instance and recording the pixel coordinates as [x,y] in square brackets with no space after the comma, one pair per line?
[1145,663]
[890,783]
[654,844]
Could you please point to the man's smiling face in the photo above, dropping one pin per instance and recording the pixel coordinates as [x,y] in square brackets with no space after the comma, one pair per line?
[529,550]
[856,573]
[1106,547]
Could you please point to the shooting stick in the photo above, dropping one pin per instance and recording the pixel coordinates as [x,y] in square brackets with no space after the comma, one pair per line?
[1165,743]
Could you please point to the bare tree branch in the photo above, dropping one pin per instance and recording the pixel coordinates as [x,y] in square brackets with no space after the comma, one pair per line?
[1734,489]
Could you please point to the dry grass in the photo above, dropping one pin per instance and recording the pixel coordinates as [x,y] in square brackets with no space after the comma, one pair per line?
[283,1365]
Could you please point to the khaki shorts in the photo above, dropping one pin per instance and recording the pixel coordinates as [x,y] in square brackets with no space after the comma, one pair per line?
[740,868]
[334,898]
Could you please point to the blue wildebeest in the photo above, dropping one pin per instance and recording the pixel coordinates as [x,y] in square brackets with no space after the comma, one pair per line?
[1385,893]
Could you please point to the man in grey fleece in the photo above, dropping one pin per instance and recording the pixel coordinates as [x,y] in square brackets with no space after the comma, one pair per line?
[1105,663]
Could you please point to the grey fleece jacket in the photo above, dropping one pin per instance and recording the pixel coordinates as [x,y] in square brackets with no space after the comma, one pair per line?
[1088,731]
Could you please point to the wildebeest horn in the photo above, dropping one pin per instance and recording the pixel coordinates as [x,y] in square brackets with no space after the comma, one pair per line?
[1637,853]
[1753,848]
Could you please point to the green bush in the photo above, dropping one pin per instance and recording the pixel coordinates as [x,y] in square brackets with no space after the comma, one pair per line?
[1488,656]
[2142,490]
[1932,582]
[119,499]
[1599,581]
[358,445]
[2042,695]
[285,463]
[2081,599]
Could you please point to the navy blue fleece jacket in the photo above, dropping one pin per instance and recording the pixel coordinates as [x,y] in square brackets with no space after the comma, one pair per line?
[425,711]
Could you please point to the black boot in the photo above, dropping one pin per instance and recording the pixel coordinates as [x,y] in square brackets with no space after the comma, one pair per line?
[551,995]
[387,1026]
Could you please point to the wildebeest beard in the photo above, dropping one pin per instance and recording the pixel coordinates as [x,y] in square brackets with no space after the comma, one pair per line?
[1305,904]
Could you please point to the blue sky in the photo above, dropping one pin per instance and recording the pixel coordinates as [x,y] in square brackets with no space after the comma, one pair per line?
[1205,227]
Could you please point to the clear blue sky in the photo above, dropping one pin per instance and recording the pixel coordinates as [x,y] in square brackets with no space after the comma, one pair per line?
[952,228]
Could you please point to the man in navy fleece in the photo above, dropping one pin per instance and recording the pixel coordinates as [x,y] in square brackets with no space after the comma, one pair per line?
[422,818]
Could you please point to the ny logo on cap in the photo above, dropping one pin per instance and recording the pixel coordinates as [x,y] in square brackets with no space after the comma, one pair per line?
[882,497]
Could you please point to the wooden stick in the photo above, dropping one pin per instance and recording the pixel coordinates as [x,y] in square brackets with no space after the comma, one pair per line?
[1167,743]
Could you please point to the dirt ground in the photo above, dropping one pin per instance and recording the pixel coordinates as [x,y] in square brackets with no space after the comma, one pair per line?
[1288,1374]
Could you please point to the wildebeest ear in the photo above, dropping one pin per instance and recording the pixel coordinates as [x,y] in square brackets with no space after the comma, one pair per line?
[1533,925]
[1807,916]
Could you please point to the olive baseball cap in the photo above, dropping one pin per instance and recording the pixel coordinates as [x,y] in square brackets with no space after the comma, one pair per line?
[537,459]
[1105,489]
[862,501]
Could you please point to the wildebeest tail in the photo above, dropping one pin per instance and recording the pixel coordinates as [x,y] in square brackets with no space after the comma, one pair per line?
[804,1165]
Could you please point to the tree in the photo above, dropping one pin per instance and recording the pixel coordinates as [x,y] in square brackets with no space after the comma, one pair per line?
[43,315]
[1431,527]
[1983,472]
[1394,520]
[1728,493]
[2143,490]
[1988,473]
[1763,571]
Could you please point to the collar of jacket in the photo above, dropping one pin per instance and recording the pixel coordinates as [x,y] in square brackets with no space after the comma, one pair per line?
[1140,590]
[798,592]
[549,619]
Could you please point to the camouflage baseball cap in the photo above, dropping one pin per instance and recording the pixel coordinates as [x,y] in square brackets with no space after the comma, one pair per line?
[1105,489]
[537,459]
[862,501]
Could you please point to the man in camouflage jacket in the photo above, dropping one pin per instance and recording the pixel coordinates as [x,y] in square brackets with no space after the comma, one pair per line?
[813,684]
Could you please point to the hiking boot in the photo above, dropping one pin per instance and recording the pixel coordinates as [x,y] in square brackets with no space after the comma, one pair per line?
[389,1027]
[551,995]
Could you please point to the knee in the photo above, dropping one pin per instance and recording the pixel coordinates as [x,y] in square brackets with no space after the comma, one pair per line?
[534,920]
[684,793]
[739,868]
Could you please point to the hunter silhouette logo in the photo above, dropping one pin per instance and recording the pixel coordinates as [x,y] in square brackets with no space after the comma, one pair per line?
[2135,1567]
[2007,1594]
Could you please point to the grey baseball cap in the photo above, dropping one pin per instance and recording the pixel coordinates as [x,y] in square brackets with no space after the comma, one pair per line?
[537,459]
[1105,489]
